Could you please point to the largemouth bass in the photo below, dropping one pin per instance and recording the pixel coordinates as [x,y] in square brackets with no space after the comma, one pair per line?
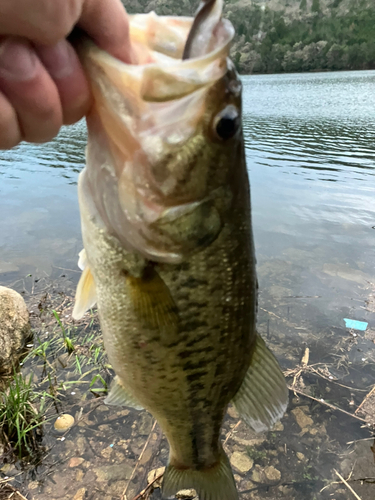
[168,249]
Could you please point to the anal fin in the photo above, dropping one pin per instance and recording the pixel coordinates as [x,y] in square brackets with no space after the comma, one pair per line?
[263,396]
[119,396]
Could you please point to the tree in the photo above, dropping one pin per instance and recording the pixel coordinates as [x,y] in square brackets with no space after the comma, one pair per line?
[315,7]
[303,5]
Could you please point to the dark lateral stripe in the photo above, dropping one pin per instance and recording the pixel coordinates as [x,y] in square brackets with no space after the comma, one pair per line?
[196,339]
[190,326]
[196,387]
[191,365]
[193,283]
[192,377]
[195,352]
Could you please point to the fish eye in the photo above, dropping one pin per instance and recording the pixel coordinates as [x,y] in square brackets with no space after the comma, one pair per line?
[227,122]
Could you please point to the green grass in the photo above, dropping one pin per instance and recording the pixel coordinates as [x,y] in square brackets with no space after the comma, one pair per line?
[22,412]
[70,352]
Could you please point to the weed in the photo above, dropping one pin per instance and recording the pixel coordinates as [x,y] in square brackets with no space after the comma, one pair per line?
[256,455]
[68,341]
[21,415]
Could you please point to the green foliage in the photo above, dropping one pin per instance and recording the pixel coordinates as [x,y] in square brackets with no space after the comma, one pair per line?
[315,7]
[322,35]
[336,39]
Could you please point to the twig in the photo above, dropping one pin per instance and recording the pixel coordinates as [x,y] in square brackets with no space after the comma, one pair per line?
[14,490]
[148,487]
[347,485]
[231,432]
[123,496]
[321,401]
[364,439]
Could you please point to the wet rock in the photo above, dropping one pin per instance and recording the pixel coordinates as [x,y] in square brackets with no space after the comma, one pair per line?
[117,489]
[232,412]
[248,442]
[272,475]
[187,495]
[146,456]
[14,328]
[247,485]
[241,462]
[81,445]
[104,427]
[80,495]
[113,472]
[153,474]
[258,475]
[64,422]
[300,456]
[278,427]
[79,475]
[303,420]
[75,462]
[145,424]
[107,452]
[102,408]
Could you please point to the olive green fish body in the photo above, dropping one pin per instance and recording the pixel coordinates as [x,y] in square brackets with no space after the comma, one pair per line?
[184,367]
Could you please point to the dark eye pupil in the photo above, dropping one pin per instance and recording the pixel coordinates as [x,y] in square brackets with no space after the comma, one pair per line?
[227,122]
[226,127]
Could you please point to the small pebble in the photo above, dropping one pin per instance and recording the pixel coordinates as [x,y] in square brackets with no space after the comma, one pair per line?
[64,422]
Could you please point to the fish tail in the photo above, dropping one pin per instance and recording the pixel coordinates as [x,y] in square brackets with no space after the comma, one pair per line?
[212,483]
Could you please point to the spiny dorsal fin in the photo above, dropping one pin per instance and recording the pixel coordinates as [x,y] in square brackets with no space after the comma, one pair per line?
[85,294]
[263,396]
[119,396]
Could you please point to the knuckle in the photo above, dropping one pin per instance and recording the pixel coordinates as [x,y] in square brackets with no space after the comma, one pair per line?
[60,18]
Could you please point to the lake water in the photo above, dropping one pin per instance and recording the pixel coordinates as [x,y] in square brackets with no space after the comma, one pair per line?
[310,145]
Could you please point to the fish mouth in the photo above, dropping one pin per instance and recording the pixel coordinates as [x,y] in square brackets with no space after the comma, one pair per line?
[141,111]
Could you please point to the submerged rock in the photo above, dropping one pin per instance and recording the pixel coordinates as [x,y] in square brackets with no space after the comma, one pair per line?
[272,475]
[14,328]
[64,422]
[80,495]
[242,462]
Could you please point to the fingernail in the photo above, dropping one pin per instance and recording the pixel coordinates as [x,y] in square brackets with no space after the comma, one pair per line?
[59,60]
[18,61]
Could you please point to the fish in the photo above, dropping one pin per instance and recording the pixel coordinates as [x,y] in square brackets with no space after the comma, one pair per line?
[168,253]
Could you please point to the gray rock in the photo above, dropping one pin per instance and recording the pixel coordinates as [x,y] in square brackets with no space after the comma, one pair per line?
[272,475]
[113,472]
[145,424]
[242,462]
[14,328]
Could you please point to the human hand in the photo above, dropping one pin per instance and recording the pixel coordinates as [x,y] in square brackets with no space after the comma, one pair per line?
[42,83]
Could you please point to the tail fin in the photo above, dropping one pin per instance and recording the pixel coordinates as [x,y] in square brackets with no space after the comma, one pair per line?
[213,483]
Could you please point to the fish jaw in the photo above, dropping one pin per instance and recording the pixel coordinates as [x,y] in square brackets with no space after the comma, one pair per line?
[145,128]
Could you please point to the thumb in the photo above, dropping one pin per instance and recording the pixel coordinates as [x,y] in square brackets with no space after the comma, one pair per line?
[106,22]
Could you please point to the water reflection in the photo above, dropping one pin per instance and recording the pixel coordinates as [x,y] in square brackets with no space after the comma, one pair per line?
[311,157]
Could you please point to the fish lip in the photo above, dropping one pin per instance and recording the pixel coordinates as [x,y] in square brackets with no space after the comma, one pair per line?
[89,45]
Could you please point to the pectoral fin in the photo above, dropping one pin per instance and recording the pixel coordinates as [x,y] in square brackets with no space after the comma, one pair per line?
[85,294]
[263,396]
[118,396]
[152,302]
